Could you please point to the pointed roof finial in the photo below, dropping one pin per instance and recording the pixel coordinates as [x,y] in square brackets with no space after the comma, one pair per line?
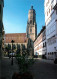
[31,7]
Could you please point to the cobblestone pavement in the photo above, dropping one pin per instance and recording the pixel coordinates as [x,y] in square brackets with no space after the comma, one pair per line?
[46,60]
[44,69]
[7,69]
[0,67]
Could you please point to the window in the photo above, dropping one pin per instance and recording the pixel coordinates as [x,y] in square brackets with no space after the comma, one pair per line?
[56,12]
[49,10]
[45,53]
[47,13]
[52,53]
[48,53]
[0,9]
[51,40]
[30,21]
[45,44]
[51,7]
[48,1]
[24,40]
[46,4]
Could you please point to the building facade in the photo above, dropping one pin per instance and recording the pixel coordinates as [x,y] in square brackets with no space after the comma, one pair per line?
[40,43]
[1,25]
[31,24]
[19,40]
[51,28]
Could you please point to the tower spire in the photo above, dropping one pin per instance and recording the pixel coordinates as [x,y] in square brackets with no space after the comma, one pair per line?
[31,7]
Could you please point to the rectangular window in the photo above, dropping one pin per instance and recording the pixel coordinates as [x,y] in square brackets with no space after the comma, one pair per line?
[49,10]
[56,12]
[47,13]
[48,1]
[51,7]
[30,21]
[46,4]
[45,44]
[0,9]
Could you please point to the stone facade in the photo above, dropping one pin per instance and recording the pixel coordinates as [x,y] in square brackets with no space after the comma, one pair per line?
[31,24]
[19,40]
[25,38]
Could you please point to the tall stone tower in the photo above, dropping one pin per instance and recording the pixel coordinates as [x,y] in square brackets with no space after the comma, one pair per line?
[31,24]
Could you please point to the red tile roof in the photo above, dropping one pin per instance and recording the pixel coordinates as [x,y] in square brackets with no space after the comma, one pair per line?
[17,37]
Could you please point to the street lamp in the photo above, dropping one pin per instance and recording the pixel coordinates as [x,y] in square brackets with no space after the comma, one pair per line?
[12,51]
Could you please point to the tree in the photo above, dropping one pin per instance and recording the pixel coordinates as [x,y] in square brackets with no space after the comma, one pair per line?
[18,48]
[14,47]
[8,48]
[23,49]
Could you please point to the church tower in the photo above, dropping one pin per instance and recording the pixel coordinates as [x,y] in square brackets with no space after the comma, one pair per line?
[31,24]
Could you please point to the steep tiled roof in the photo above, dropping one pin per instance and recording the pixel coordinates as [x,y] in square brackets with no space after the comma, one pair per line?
[17,37]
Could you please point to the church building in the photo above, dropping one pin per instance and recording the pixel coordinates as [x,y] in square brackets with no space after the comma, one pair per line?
[25,38]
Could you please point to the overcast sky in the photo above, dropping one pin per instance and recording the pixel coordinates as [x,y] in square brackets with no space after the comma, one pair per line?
[15,15]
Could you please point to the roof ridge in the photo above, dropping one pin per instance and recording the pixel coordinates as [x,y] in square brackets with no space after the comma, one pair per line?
[15,33]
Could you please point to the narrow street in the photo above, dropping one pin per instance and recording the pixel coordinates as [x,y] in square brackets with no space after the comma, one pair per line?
[7,69]
[42,69]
